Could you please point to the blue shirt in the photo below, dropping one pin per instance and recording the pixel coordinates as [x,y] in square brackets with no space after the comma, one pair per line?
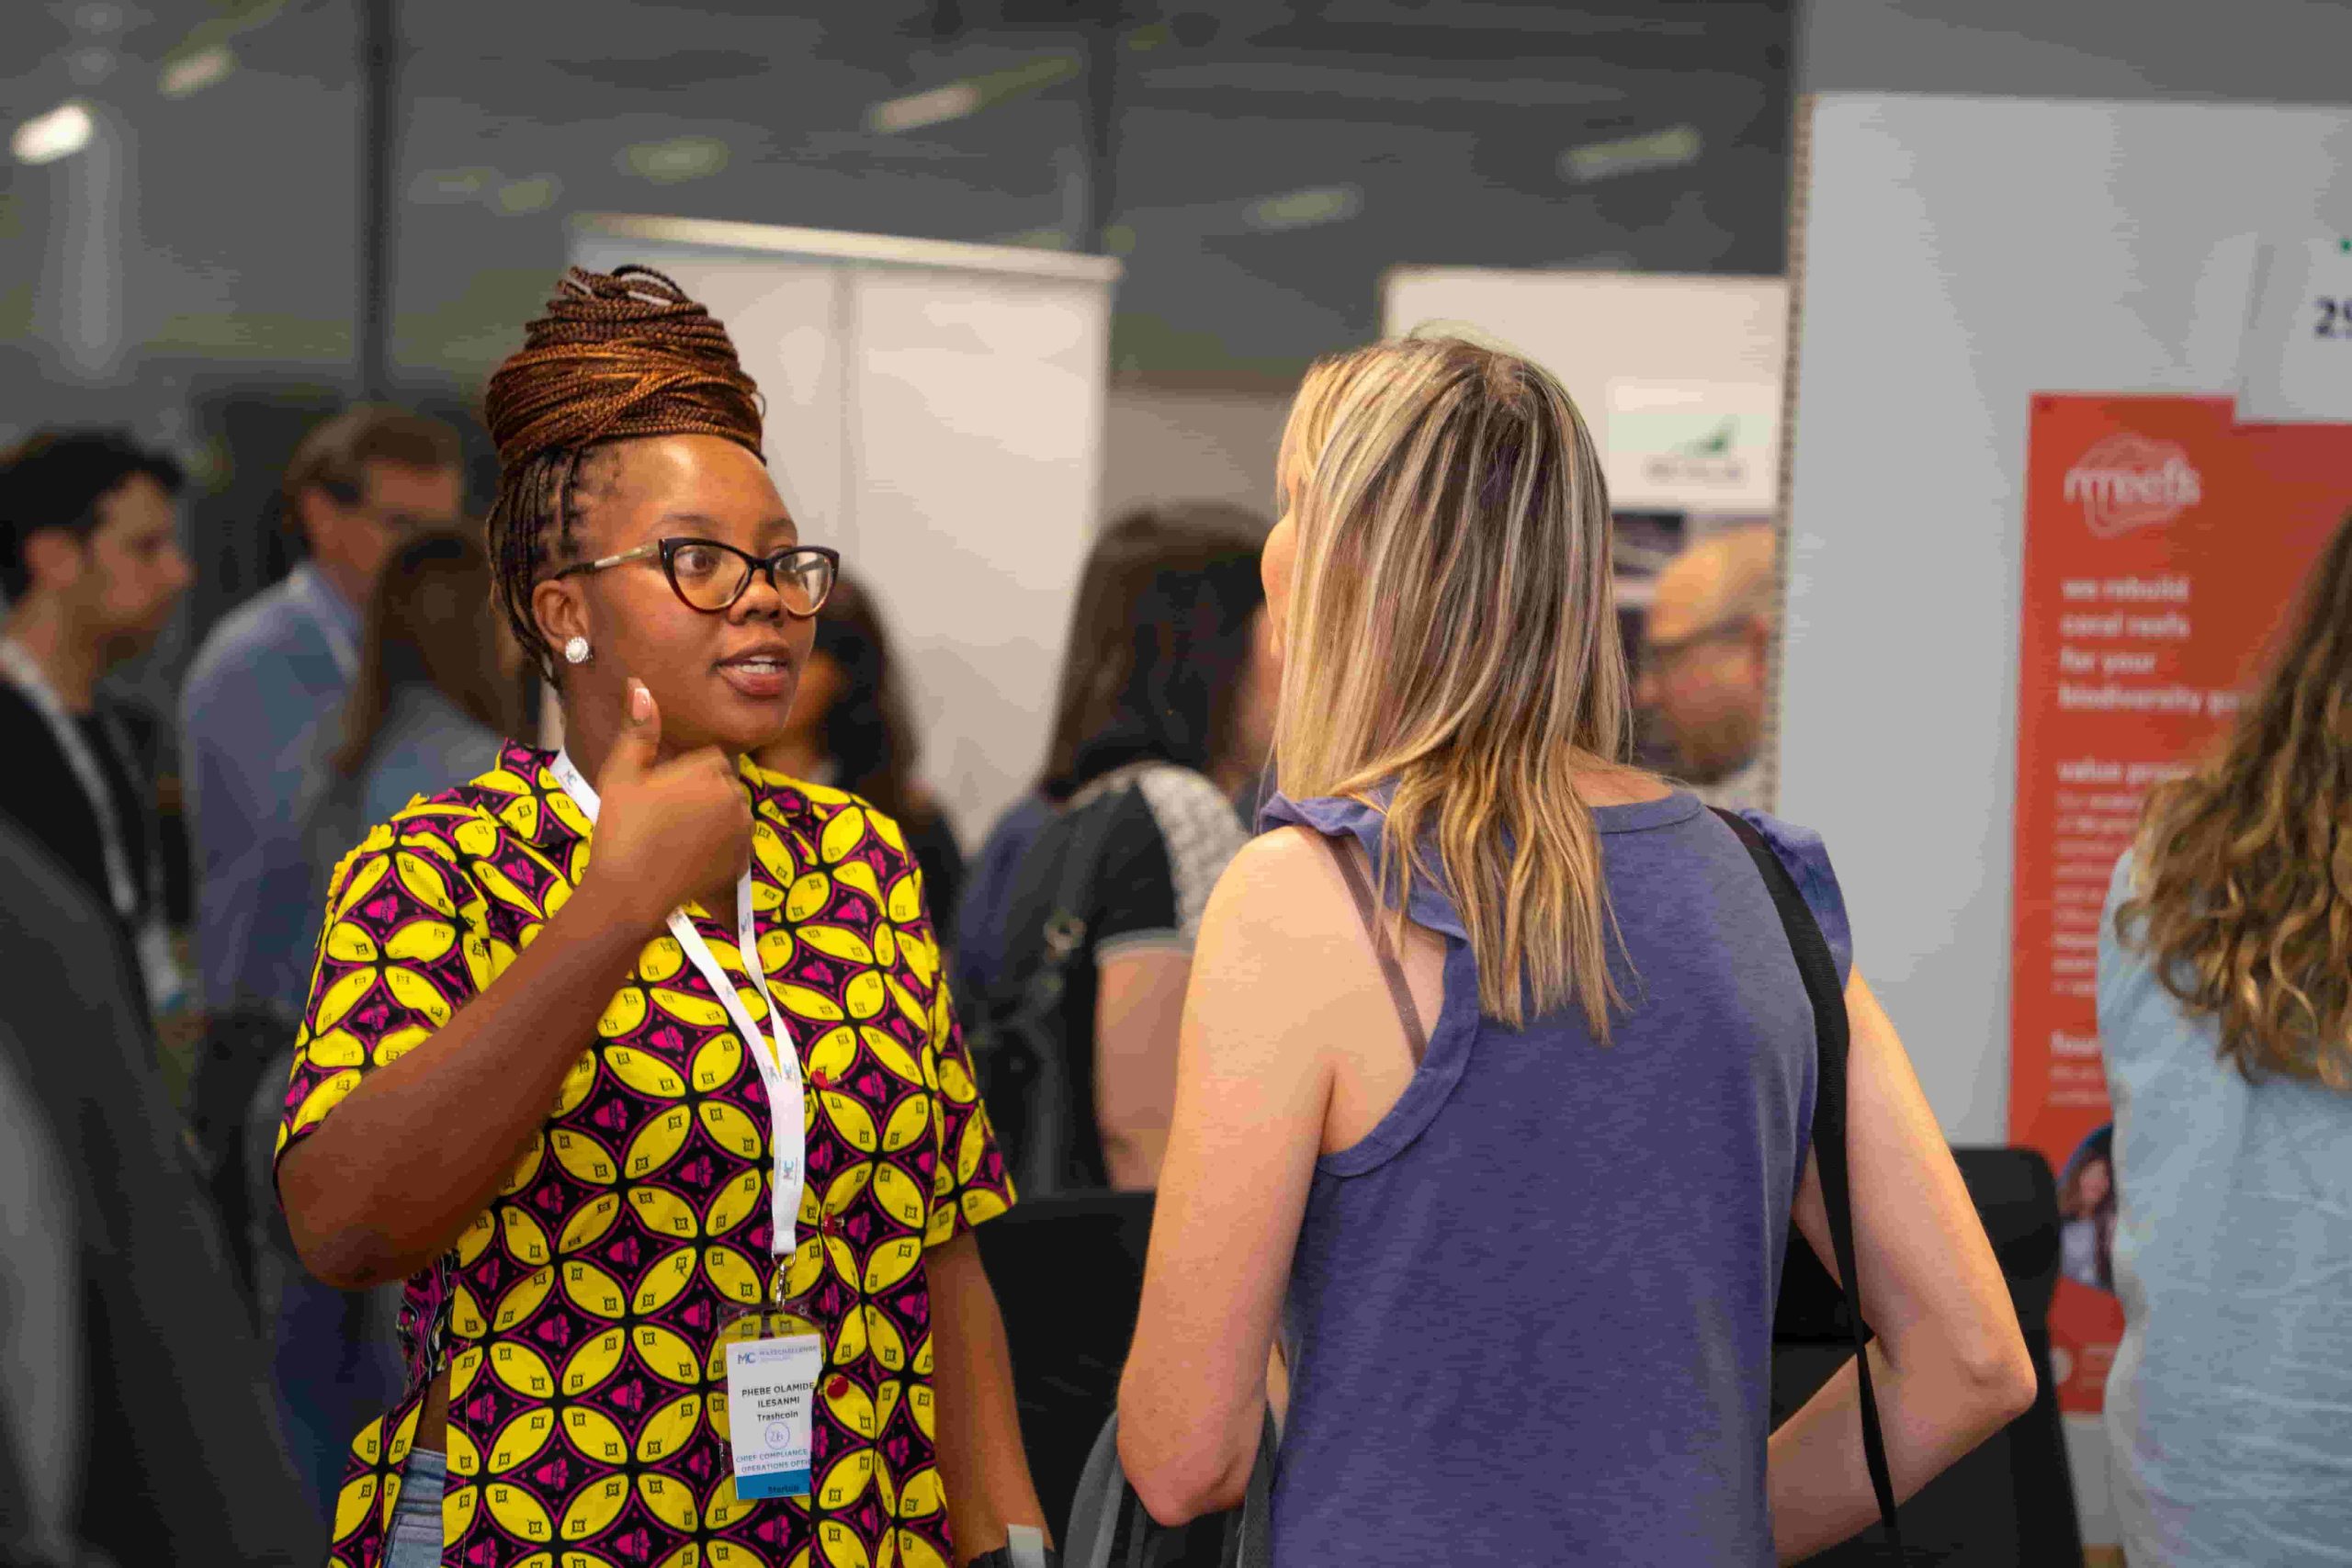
[269,672]
[2229,1406]
[1530,1317]
[426,744]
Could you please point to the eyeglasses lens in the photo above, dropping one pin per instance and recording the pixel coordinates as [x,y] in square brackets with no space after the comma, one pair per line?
[712,580]
[804,583]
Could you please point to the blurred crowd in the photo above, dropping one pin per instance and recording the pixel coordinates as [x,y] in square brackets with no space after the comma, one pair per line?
[165,1319]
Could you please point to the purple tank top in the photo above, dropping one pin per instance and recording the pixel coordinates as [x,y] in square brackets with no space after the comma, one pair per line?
[1530,1317]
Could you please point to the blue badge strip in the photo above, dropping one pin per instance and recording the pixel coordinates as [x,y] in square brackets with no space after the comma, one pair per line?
[776,1483]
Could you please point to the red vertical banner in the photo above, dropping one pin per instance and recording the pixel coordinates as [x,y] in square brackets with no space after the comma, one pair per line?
[2162,543]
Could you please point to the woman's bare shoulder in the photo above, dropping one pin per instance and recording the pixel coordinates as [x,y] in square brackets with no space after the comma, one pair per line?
[1281,908]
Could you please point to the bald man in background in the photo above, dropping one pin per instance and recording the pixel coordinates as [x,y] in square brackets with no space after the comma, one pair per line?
[1705,658]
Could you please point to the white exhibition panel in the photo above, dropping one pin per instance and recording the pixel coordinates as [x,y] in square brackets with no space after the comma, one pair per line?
[1611,337]
[935,411]
[1958,256]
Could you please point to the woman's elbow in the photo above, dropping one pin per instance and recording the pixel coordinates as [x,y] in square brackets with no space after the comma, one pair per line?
[2005,1378]
[1991,1376]
[347,1262]
[347,1257]
[1177,1483]
[1177,1454]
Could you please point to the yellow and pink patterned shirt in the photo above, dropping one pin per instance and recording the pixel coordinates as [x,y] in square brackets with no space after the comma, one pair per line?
[578,1317]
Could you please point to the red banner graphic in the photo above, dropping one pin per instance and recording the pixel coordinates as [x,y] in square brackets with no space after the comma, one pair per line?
[2163,542]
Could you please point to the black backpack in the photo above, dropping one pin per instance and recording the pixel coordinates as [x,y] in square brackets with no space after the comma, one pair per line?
[1020,1040]
[1109,1527]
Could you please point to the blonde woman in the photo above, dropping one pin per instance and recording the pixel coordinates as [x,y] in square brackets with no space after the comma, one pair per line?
[2225,1008]
[1521,1234]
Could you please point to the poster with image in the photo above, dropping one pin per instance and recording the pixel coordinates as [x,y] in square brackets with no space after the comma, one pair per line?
[2163,542]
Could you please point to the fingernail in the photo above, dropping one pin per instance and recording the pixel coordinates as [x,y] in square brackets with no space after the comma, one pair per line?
[640,700]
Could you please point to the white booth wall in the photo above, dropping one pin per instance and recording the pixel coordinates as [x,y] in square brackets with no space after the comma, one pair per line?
[935,411]
[1600,330]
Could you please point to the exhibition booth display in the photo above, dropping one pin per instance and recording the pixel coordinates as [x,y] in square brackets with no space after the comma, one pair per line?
[2064,400]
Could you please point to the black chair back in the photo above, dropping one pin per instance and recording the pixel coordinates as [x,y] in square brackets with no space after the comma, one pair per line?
[1069,1276]
[2010,1501]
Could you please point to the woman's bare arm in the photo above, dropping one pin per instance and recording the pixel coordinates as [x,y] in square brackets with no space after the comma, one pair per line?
[1278,944]
[397,1170]
[418,1148]
[1138,1007]
[1949,1364]
[982,1461]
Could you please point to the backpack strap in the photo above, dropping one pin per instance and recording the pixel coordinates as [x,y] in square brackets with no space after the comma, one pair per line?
[1831,1038]
[1409,1012]
[1074,879]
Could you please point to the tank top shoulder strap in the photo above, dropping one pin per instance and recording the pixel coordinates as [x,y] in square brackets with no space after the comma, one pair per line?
[1368,909]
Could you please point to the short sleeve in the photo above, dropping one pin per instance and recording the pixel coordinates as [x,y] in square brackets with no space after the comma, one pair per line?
[1802,850]
[402,946]
[1176,834]
[1134,901]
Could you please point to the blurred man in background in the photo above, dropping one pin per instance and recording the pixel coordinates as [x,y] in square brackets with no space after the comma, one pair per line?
[90,561]
[1706,658]
[358,483]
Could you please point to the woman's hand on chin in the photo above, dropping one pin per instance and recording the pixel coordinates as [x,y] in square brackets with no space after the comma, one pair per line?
[666,831]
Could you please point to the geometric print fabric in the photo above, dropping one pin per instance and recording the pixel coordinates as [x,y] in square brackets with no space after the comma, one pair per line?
[580,1317]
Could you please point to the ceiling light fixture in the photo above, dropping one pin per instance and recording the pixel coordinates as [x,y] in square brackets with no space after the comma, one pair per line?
[1306,209]
[61,132]
[537,194]
[451,186]
[937,105]
[918,109]
[1667,149]
[191,74]
[668,162]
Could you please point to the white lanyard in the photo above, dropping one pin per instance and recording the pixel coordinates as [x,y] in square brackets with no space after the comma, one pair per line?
[778,1061]
[340,646]
[23,672]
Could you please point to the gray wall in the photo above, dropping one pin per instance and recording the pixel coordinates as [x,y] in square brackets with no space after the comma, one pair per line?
[2279,50]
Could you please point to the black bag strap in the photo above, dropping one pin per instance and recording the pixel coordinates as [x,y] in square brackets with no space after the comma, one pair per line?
[1819,971]
[1082,857]
[1075,871]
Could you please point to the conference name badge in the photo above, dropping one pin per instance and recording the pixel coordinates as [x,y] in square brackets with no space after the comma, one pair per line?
[770,1413]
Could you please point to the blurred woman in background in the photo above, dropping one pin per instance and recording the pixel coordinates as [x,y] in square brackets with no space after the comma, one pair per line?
[1166,715]
[437,693]
[850,730]
[1513,1163]
[1106,585]
[2225,1010]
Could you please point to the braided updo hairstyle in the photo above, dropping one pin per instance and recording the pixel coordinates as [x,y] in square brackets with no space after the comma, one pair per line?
[618,355]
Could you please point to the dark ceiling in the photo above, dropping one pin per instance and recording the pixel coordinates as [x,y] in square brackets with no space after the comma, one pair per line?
[1399,132]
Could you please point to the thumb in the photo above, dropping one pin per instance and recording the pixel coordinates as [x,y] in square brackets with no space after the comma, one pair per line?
[640,738]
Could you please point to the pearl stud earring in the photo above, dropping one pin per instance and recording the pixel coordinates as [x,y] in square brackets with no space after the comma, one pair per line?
[576,650]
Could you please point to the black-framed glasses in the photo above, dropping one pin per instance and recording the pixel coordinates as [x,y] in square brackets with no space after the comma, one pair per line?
[709,576]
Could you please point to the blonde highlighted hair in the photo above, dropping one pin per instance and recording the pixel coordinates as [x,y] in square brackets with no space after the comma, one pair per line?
[1451,639]
[2241,890]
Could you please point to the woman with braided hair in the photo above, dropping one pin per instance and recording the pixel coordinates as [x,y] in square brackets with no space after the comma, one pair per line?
[650,1087]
